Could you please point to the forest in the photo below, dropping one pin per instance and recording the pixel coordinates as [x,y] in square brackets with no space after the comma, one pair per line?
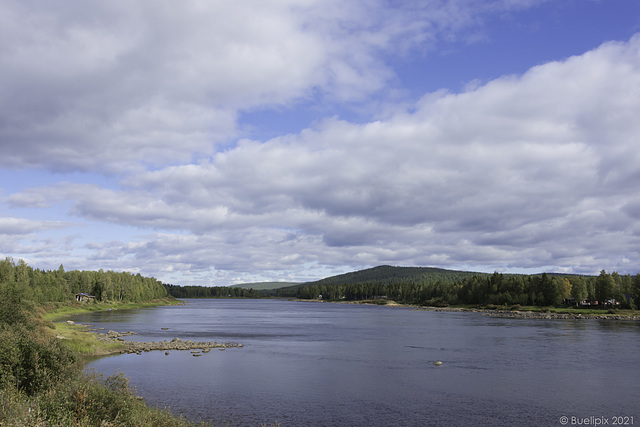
[42,381]
[489,289]
[59,285]
[214,292]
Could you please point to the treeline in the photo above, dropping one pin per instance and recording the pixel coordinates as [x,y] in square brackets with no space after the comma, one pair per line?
[499,289]
[213,292]
[60,286]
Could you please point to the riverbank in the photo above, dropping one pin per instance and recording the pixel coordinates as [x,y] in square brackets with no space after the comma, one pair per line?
[521,312]
[55,312]
[79,338]
[89,342]
[42,380]
[525,314]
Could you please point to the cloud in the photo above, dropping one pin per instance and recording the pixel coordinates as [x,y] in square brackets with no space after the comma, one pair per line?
[537,170]
[527,171]
[10,226]
[111,86]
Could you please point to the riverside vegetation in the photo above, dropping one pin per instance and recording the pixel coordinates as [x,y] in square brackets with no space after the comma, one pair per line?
[434,287]
[42,382]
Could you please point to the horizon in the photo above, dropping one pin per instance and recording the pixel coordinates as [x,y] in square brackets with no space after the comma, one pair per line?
[220,144]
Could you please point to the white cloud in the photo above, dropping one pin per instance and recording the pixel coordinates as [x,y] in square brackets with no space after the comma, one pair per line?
[11,226]
[528,171]
[510,171]
[108,86]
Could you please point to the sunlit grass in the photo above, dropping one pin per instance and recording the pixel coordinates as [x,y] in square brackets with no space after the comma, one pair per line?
[80,341]
[87,307]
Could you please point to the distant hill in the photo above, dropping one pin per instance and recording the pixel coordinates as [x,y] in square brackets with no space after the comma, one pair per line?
[387,274]
[383,275]
[265,286]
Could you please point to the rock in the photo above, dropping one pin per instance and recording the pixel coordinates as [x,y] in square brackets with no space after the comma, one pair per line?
[176,340]
[166,353]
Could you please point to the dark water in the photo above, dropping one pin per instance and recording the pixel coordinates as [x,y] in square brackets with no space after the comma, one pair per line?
[315,364]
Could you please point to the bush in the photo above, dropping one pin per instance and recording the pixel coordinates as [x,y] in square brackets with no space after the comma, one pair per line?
[41,380]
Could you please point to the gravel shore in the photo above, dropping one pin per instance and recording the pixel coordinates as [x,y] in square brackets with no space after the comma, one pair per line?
[139,347]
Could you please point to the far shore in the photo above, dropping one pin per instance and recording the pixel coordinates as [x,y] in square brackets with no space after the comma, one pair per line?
[522,313]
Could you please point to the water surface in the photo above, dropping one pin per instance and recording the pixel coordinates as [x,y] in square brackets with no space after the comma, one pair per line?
[318,364]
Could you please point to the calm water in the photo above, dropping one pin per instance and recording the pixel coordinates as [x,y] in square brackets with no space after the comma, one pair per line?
[316,364]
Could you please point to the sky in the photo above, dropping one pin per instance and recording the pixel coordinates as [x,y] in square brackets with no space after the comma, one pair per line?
[214,142]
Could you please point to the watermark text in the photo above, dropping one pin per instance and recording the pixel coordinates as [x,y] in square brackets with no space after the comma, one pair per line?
[597,420]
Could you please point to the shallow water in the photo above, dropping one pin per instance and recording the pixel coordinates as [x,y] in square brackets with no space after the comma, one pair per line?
[312,364]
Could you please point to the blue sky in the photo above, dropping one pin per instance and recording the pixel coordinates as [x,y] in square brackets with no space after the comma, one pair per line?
[211,144]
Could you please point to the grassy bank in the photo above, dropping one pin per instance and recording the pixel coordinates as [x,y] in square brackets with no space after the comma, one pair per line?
[42,378]
[77,338]
[56,311]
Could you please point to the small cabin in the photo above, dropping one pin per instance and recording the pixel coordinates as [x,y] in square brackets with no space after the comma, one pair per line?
[84,297]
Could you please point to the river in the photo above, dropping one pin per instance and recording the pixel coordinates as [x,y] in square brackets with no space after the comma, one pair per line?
[319,364]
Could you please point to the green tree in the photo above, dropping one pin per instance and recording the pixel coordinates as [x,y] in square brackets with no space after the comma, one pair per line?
[605,287]
[578,288]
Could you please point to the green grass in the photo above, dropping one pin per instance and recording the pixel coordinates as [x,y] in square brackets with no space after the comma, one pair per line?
[76,308]
[77,339]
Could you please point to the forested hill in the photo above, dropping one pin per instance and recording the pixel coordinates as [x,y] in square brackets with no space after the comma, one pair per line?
[260,286]
[384,274]
[439,287]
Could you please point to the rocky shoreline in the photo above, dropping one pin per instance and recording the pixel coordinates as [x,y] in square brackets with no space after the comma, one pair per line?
[537,315]
[138,347]
[515,314]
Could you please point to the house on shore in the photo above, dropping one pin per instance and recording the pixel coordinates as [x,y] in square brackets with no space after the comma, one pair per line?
[84,297]
[587,302]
